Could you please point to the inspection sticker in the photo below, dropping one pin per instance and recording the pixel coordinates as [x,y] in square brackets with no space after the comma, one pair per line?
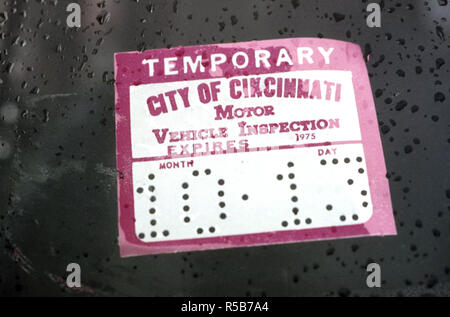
[245,144]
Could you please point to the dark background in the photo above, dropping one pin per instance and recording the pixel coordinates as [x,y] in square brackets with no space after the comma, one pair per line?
[58,199]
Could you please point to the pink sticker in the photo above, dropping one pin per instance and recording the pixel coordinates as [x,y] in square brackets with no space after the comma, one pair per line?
[246,144]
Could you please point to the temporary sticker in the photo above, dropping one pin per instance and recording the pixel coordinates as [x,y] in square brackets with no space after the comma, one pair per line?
[247,144]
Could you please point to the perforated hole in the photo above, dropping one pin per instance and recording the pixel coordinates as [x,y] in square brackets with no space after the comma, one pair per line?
[185,194]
